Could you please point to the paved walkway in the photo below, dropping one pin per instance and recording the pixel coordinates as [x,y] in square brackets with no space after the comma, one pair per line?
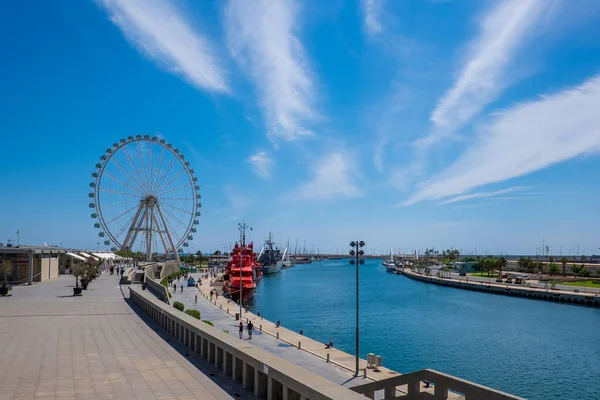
[313,353]
[56,346]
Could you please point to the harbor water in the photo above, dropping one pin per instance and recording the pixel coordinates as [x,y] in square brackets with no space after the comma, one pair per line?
[535,349]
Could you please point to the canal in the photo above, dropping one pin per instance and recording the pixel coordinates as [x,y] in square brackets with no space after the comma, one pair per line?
[535,349]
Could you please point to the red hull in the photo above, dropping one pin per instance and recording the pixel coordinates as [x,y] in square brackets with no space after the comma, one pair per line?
[242,258]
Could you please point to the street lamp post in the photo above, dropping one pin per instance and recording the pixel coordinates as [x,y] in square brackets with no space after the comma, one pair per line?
[242,227]
[358,253]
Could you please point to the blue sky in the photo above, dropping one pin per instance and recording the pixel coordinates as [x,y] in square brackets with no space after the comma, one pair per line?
[408,124]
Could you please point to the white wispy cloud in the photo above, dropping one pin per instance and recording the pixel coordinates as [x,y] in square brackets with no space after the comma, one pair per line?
[262,38]
[504,31]
[372,13]
[160,31]
[261,165]
[333,178]
[480,195]
[522,139]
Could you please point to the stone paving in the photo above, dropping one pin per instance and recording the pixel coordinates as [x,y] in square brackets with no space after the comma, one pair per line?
[56,346]
[308,360]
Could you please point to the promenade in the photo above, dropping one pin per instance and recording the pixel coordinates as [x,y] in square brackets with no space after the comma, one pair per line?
[56,346]
[312,357]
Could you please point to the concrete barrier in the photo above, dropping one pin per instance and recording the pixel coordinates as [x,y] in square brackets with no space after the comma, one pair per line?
[158,290]
[267,375]
[557,296]
[439,386]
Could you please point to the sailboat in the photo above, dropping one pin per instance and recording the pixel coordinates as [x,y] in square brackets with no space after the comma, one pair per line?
[390,264]
[287,263]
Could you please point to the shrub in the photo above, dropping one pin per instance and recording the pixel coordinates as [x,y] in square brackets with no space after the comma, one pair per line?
[170,295]
[193,313]
[207,322]
[179,306]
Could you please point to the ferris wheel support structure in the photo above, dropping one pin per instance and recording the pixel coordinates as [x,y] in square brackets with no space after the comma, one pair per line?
[145,196]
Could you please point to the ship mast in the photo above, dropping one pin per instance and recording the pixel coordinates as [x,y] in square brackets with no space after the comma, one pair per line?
[242,228]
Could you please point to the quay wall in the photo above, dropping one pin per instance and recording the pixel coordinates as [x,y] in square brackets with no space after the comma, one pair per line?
[557,296]
[267,375]
[158,290]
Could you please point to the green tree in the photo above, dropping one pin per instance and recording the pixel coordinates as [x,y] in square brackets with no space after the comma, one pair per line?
[553,269]
[523,264]
[564,260]
[501,263]
[217,253]
[78,271]
[5,268]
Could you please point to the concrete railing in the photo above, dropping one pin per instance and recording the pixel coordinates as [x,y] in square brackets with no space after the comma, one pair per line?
[158,290]
[439,386]
[267,375]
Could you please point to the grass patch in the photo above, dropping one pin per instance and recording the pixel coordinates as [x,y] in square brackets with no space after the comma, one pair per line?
[482,274]
[590,284]
[193,313]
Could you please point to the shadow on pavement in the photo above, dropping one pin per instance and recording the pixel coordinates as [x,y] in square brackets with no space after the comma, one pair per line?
[233,388]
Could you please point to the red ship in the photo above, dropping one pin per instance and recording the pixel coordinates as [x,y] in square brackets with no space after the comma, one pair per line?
[243,259]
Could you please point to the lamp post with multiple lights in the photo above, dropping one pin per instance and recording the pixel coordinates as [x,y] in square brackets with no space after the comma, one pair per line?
[357,252]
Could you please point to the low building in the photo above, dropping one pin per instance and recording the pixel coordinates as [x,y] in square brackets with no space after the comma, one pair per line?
[33,263]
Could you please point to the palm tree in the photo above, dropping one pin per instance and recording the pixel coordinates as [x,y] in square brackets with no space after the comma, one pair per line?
[564,260]
[501,264]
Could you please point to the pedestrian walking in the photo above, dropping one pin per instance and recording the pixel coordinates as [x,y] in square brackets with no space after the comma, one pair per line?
[182,288]
[196,299]
[241,329]
[250,328]
[174,287]
[211,295]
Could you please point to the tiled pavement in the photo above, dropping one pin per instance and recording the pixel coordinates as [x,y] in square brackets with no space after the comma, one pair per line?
[222,320]
[55,346]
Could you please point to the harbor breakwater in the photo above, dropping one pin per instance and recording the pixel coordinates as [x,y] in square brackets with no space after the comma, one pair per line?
[558,296]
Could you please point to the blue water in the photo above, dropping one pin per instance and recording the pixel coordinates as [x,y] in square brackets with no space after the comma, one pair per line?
[534,349]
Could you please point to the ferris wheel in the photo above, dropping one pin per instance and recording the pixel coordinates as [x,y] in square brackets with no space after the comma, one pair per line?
[145,197]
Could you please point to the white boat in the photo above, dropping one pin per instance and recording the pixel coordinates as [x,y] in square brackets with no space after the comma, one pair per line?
[286,262]
[390,264]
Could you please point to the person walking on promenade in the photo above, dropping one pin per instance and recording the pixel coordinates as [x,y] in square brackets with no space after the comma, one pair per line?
[196,299]
[250,328]
[241,329]
[174,287]
[211,294]
[182,288]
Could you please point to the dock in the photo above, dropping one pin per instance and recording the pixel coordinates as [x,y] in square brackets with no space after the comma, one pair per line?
[558,296]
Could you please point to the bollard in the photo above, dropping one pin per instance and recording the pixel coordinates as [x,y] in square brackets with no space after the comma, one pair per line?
[365,373]
[301,332]
[228,311]
[299,345]
[327,357]
[277,335]
[221,306]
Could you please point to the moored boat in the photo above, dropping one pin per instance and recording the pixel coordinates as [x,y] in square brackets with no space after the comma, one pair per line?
[390,264]
[270,257]
[240,272]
